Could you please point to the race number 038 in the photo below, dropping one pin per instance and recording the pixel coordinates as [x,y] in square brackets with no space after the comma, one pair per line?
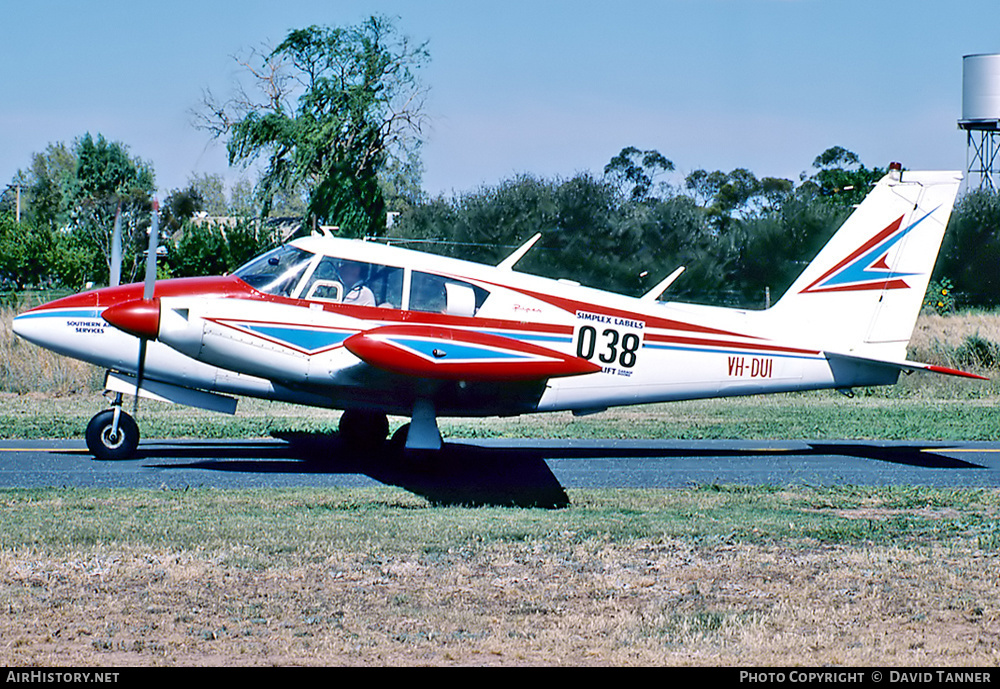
[609,345]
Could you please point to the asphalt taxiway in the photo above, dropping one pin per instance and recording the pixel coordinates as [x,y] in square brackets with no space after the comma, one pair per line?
[534,472]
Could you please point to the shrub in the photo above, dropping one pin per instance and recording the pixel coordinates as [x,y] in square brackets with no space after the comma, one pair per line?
[940,297]
[978,352]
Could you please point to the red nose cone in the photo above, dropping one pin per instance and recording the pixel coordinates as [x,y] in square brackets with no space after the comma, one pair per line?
[138,317]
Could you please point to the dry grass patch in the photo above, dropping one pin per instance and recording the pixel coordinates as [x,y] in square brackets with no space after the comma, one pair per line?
[933,330]
[709,576]
[640,603]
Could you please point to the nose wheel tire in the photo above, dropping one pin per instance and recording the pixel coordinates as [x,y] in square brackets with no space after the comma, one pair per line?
[107,443]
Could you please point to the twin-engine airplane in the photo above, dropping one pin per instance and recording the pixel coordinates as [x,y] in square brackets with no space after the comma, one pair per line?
[375,330]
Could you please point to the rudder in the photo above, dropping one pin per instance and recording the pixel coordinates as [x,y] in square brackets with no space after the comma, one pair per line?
[862,293]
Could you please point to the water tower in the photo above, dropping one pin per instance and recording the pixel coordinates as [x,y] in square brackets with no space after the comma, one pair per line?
[981,116]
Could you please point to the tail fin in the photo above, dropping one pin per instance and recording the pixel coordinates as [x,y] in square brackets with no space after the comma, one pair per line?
[861,295]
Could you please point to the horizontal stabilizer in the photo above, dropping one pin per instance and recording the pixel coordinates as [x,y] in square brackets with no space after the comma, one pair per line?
[904,365]
[451,354]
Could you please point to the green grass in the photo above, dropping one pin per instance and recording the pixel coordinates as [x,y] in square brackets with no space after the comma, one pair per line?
[257,527]
[899,414]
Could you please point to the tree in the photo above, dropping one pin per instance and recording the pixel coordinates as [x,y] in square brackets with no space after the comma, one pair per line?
[633,171]
[242,203]
[837,156]
[775,246]
[78,189]
[109,179]
[214,248]
[728,197]
[26,250]
[212,191]
[46,186]
[179,207]
[357,105]
[675,232]
[841,177]
[971,251]
[200,250]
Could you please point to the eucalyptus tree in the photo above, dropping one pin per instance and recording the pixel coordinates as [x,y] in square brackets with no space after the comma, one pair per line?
[110,180]
[331,106]
[633,172]
[841,178]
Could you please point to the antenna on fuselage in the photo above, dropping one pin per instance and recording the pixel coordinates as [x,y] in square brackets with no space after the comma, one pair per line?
[661,287]
[519,252]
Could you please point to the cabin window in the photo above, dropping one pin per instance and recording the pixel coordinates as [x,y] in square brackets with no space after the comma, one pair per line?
[438,294]
[354,282]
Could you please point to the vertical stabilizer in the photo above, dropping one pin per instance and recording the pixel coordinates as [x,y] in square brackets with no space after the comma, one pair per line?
[861,295]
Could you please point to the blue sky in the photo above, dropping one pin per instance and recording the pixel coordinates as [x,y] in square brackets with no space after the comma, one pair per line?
[544,87]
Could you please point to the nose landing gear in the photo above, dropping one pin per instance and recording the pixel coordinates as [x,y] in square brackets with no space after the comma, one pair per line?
[112,434]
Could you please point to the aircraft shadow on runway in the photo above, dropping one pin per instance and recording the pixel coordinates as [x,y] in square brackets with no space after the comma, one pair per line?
[457,475]
[467,474]
[916,455]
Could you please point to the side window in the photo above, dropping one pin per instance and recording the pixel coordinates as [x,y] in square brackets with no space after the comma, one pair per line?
[355,282]
[387,284]
[324,283]
[427,293]
[438,294]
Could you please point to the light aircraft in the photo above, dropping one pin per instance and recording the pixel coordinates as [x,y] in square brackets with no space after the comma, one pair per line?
[374,330]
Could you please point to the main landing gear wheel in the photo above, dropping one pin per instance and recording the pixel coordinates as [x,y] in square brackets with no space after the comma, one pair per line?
[363,429]
[109,441]
[398,439]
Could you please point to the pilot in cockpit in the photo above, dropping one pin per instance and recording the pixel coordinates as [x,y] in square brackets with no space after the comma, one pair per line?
[353,276]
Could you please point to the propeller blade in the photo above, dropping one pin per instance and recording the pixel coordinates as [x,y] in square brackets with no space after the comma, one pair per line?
[154,231]
[140,369]
[148,292]
[116,249]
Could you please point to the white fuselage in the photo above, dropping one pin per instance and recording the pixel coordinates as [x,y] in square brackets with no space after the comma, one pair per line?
[249,342]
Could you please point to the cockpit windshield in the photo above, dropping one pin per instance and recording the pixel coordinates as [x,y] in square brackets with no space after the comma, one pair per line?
[289,271]
[276,272]
[292,272]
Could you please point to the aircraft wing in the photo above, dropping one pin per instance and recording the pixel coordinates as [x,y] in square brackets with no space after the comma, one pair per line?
[453,354]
